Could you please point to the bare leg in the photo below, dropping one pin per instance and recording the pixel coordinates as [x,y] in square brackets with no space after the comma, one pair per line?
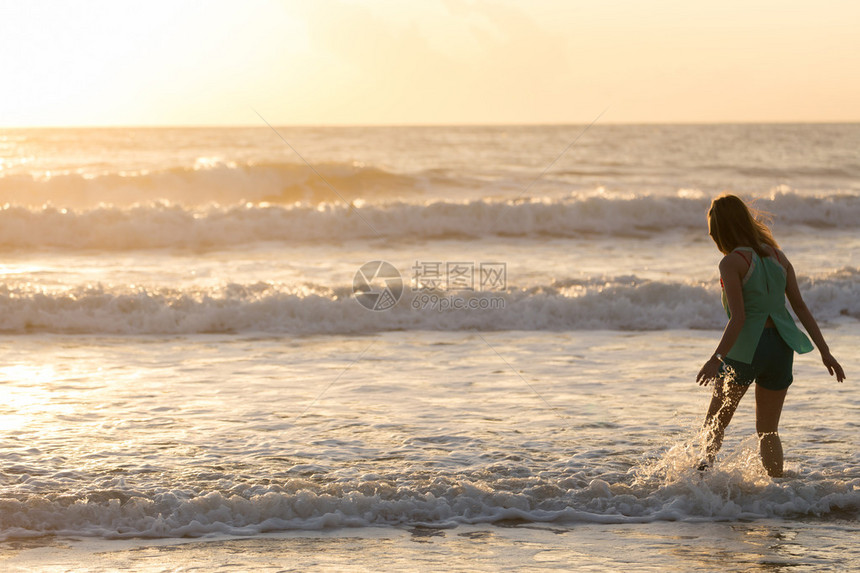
[724,402]
[768,407]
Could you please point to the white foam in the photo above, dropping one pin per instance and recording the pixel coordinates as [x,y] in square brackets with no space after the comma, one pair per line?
[164,225]
[624,303]
[441,502]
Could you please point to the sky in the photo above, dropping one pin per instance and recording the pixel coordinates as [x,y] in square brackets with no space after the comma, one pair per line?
[408,62]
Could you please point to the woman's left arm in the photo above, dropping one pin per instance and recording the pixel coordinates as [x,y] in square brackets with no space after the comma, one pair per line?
[792,291]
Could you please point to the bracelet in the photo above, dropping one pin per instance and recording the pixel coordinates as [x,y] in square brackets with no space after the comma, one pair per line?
[719,357]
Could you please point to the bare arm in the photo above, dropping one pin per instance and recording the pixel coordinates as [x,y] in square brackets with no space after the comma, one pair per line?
[795,299]
[732,270]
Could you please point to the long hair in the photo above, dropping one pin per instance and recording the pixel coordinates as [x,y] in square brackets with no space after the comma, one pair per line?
[732,224]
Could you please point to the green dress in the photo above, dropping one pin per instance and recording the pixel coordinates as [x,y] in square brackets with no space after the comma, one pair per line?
[764,296]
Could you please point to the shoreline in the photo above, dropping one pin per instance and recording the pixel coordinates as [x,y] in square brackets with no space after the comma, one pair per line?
[662,546]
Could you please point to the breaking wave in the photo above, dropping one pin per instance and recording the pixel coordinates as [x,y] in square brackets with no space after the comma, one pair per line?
[163,225]
[223,183]
[621,303]
[737,490]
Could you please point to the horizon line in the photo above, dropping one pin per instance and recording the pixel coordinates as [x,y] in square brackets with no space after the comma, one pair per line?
[432,125]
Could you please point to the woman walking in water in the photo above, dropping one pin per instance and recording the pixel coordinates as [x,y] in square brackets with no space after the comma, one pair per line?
[760,339]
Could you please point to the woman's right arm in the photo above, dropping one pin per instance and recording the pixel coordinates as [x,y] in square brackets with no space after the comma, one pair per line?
[792,291]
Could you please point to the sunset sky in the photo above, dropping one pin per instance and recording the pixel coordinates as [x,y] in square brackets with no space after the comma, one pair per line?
[427,62]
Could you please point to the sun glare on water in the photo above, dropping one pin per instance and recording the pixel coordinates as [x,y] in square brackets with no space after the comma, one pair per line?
[27,395]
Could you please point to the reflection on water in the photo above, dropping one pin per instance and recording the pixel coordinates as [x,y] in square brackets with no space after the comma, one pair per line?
[659,547]
[122,437]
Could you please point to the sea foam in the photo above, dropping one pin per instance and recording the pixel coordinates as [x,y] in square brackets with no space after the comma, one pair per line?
[246,509]
[163,225]
[623,303]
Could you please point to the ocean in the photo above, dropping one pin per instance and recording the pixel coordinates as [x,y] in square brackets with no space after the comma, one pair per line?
[436,348]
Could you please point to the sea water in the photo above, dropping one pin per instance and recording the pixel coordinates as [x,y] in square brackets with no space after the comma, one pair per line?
[185,355]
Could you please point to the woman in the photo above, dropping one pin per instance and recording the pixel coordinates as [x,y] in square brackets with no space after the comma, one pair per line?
[760,339]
